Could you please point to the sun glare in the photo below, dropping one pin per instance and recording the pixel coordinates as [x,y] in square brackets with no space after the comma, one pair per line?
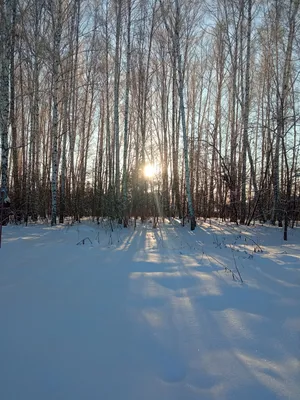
[149,170]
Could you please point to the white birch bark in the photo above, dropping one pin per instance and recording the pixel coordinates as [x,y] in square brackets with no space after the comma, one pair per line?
[282,93]
[182,112]
[175,36]
[126,117]
[116,103]
[57,30]
[246,108]
[4,89]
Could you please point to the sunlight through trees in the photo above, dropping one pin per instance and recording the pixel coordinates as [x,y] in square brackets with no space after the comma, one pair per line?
[94,93]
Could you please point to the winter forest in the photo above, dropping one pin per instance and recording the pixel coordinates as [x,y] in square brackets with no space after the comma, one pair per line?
[150,199]
[161,108]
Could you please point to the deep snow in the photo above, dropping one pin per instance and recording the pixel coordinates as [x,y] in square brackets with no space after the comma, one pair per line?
[149,313]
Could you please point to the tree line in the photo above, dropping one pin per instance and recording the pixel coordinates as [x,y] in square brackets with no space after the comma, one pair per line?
[92,91]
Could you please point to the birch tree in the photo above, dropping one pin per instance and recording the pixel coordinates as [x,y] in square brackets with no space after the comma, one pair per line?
[5,26]
[126,116]
[175,36]
[118,7]
[56,16]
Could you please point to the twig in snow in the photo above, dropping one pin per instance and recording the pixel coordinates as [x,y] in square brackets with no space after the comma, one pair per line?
[236,267]
[83,241]
[98,237]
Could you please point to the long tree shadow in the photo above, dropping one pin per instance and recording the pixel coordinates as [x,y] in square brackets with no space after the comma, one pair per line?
[175,333]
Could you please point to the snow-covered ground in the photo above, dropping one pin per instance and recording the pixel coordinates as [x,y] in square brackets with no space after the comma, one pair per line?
[149,314]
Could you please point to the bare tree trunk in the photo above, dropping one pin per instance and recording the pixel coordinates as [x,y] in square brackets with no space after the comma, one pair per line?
[15,172]
[126,118]
[246,110]
[276,214]
[4,89]
[182,112]
[57,29]
[116,103]
[74,50]
[62,207]
[220,60]
[34,140]
[164,129]
[294,8]
[175,141]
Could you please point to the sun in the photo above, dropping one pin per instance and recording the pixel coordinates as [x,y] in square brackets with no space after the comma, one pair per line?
[149,170]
